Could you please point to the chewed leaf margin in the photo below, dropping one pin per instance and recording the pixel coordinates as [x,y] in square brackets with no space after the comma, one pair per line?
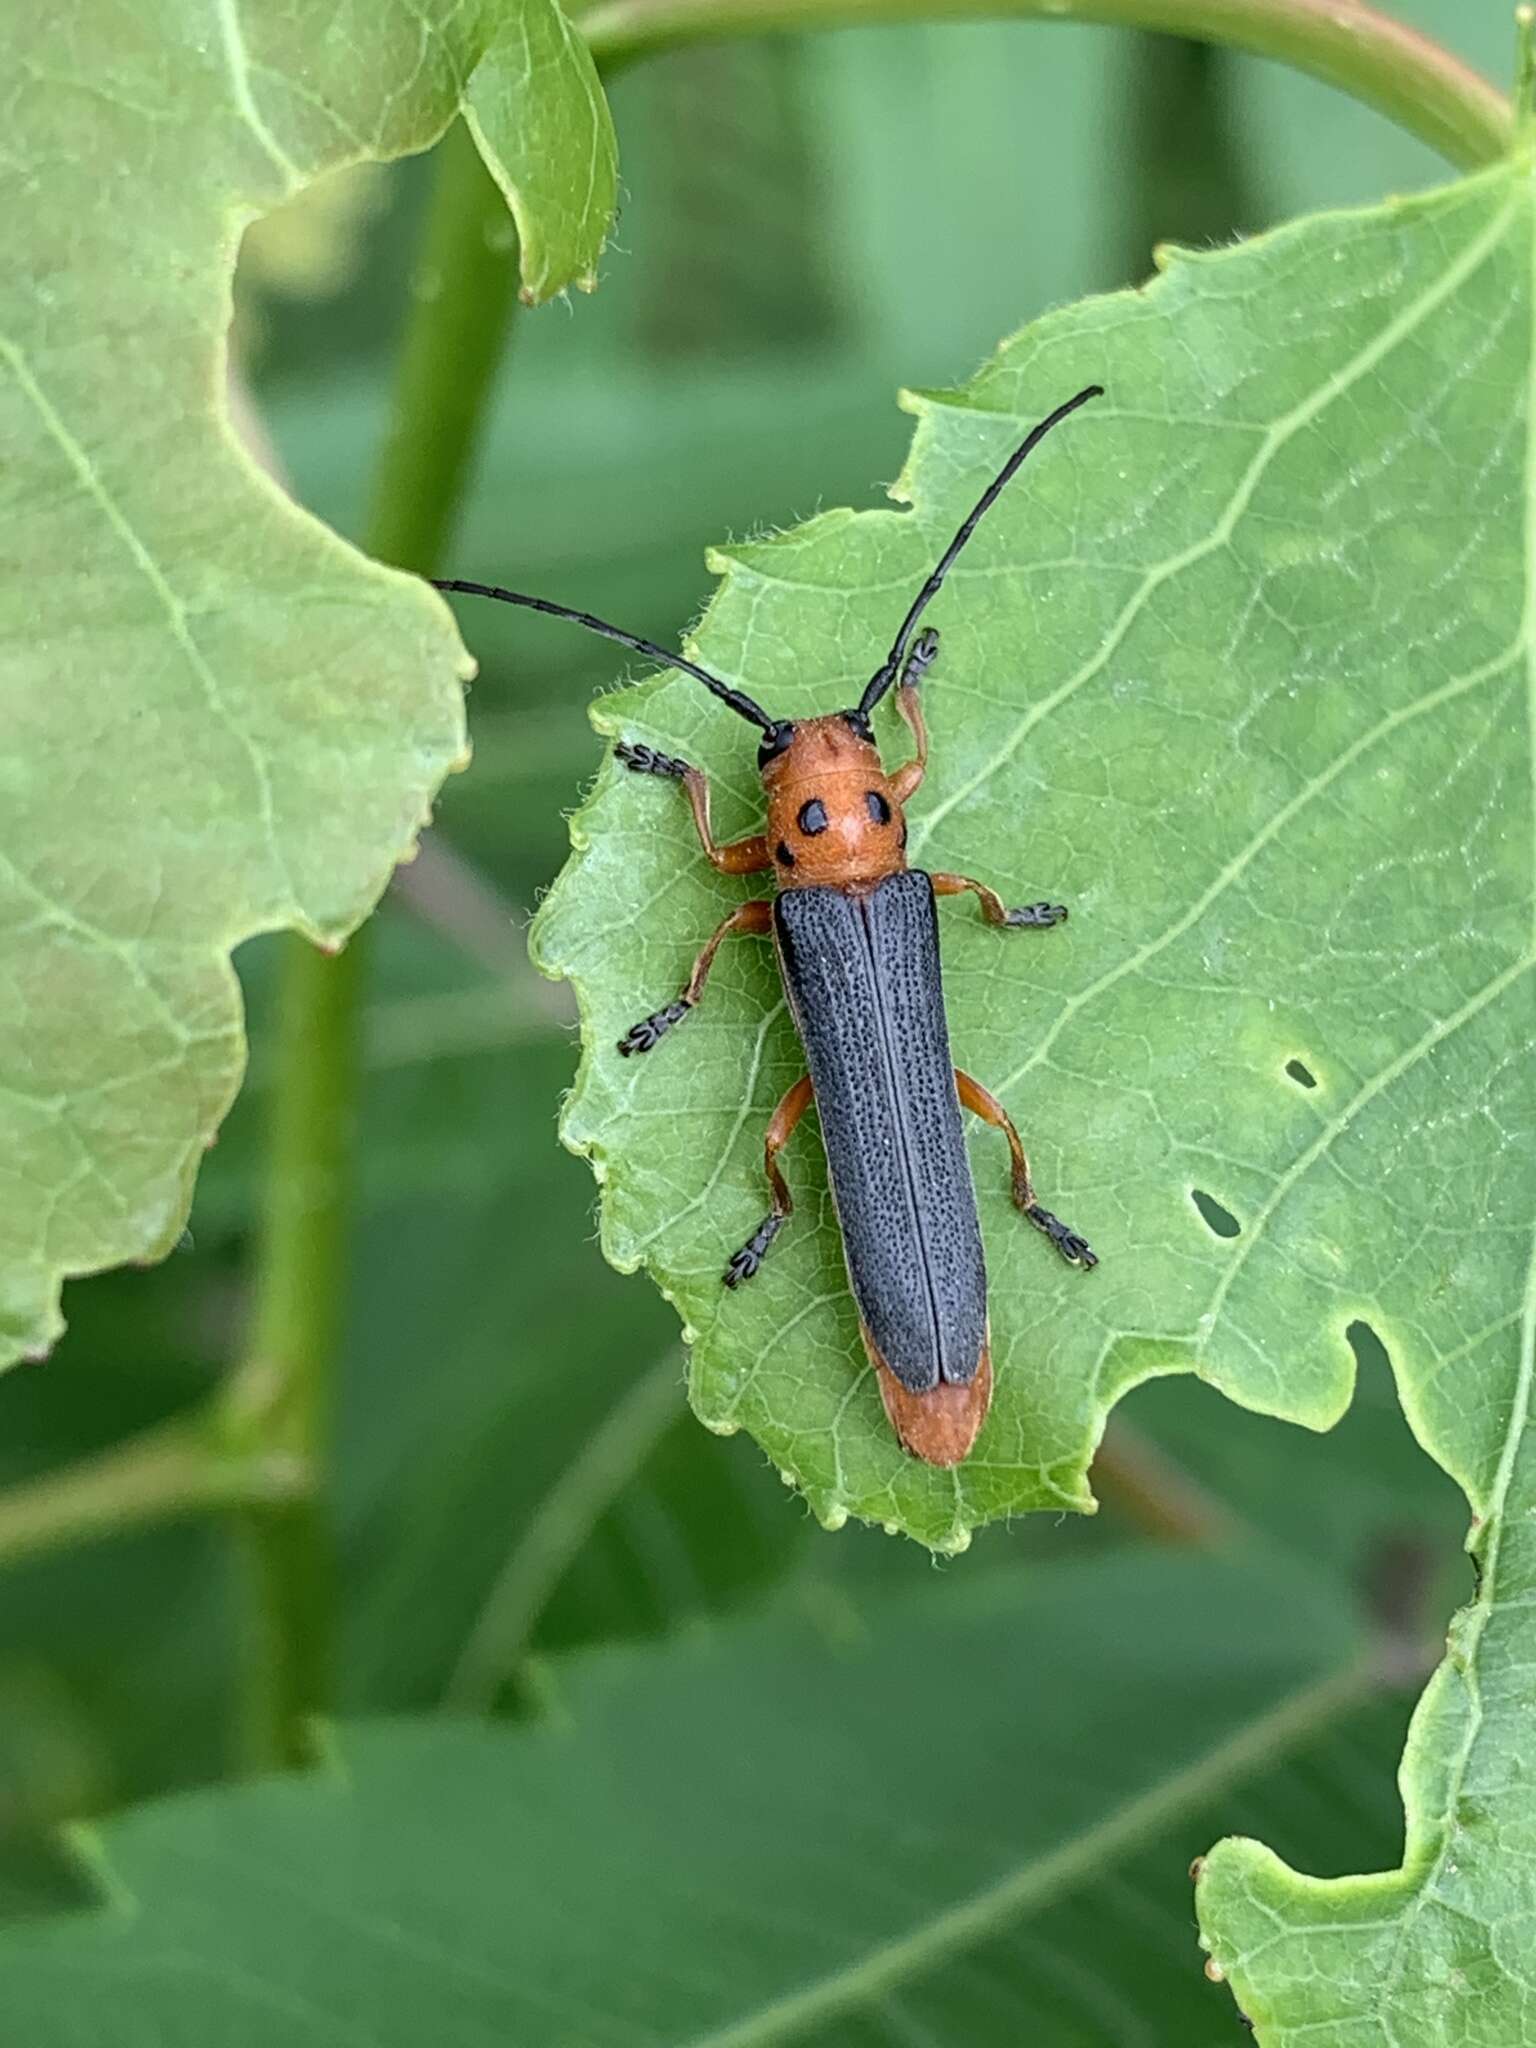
[1160,580]
[221,720]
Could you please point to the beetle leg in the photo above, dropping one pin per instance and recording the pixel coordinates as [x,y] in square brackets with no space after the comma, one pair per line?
[741,856]
[1074,1249]
[789,1112]
[754,920]
[1036,916]
[906,781]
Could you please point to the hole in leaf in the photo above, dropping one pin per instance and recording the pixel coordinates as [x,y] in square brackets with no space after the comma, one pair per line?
[1217,1218]
[1301,1073]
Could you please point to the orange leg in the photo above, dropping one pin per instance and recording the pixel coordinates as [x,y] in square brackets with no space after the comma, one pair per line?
[752,920]
[789,1112]
[1038,916]
[906,781]
[1074,1249]
[741,856]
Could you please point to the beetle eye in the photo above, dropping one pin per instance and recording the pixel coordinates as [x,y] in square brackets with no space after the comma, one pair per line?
[813,817]
[879,809]
[783,856]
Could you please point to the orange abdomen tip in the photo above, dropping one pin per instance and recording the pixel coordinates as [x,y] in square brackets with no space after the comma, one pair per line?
[940,1426]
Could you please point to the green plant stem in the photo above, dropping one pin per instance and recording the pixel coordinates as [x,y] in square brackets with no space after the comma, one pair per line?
[1189,176]
[465,292]
[278,1404]
[1388,65]
[278,1409]
[179,1468]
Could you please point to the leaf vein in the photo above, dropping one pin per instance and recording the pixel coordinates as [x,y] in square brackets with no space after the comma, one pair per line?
[1397,330]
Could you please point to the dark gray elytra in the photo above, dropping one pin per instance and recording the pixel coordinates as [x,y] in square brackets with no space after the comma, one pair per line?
[862,972]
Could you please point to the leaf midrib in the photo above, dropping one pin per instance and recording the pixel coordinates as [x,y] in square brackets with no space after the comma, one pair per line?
[965,1925]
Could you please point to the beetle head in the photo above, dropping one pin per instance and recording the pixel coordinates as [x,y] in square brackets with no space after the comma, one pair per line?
[833,818]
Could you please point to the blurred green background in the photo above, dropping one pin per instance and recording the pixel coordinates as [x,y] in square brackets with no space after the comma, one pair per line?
[807,225]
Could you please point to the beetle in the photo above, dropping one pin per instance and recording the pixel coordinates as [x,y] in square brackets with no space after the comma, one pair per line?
[856,934]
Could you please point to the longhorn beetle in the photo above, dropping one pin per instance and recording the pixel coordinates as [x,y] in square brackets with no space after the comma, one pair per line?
[857,941]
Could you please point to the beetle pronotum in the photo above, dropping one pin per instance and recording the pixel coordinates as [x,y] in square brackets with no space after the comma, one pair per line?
[856,935]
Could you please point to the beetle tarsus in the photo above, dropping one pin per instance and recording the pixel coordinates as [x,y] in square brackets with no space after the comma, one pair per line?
[651,1030]
[921,658]
[744,1264]
[1036,916]
[742,856]
[1074,1249]
[640,759]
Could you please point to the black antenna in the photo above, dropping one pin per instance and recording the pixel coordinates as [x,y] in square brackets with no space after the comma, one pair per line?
[738,700]
[886,674]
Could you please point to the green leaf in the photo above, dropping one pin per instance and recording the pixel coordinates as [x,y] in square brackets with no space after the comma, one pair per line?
[219,720]
[582,1493]
[536,110]
[851,1828]
[1437,1952]
[1237,670]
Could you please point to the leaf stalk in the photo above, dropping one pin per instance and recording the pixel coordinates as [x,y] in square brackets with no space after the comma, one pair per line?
[183,1467]
[1389,66]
